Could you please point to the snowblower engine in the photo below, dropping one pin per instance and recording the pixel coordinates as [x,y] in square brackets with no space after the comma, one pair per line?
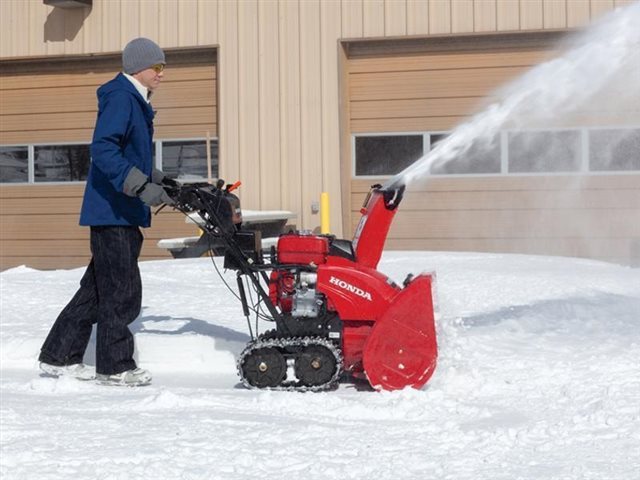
[333,314]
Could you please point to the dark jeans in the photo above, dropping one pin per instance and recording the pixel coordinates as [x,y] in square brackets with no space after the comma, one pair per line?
[110,295]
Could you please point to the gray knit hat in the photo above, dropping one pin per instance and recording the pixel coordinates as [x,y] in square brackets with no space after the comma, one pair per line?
[139,54]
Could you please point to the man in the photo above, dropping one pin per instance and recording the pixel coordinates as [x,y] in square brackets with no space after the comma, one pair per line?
[121,186]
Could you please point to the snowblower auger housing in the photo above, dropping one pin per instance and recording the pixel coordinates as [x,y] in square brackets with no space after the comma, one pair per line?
[334,314]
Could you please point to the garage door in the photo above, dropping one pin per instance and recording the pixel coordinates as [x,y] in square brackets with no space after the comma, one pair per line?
[47,115]
[405,96]
[55,101]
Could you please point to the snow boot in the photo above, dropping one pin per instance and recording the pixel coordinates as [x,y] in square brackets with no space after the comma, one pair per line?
[137,377]
[77,370]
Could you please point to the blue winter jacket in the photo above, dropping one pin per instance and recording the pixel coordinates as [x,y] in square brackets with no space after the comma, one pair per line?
[122,139]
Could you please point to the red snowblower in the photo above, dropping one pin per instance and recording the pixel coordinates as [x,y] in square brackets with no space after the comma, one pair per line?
[334,315]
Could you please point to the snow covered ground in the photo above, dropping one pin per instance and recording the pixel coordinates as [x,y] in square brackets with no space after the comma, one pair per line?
[538,378]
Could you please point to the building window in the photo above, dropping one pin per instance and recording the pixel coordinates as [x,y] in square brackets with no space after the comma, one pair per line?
[544,152]
[61,163]
[480,157]
[386,154]
[14,164]
[184,159]
[614,150]
[585,150]
[187,160]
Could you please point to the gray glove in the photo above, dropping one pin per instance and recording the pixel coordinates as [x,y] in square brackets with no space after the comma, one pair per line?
[137,184]
[157,176]
[160,178]
[153,195]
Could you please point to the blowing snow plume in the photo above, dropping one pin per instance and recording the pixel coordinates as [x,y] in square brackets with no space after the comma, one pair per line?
[596,76]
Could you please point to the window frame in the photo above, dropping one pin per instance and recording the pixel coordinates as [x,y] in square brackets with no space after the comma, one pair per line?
[31,147]
[380,134]
[580,157]
[32,163]
[584,154]
[158,150]
[30,154]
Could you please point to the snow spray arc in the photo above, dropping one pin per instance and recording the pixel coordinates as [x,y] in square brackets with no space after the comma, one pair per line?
[598,72]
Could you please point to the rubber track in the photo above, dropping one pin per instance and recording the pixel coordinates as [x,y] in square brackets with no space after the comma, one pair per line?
[283,343]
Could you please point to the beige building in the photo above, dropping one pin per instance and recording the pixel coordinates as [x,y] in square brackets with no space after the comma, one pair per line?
[298,97]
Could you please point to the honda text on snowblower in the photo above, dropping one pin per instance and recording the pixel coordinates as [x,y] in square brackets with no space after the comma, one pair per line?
[333,313]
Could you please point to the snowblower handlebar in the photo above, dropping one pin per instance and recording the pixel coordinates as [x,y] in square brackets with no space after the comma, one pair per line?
[210,202]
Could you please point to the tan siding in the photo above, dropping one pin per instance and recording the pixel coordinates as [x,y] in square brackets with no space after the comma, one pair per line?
[486,58]
[540,199]
[18,18]
[352,18]
[291,139]
[311,110]
[513,224]
[109,24]
[373,18]
[485,15]
[61,99]
[248,102]
[439,16]
[9,31]
[48,121]
[462,16]
[441,83]
[82,135]
[37,18]
[517,183]
[531,15]
[578,14]
[269,98]
[74,75]
[331,181]
[508,15]
[187,17]
[438,88]
[608,250]
[207,24]
[591,216]
[554,13]
[228,63]
[54,31]
[111,27]
[169,21]
[442,123]
[73,38]
[345,140]
[129,21]
[59,104]
[53,225]
[52,238]
[52,232]
[598,7]
[425,107]
[417,17]
[184,131]
[149,19]
[395,18]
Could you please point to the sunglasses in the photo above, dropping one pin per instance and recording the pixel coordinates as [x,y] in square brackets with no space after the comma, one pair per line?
[158,67]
